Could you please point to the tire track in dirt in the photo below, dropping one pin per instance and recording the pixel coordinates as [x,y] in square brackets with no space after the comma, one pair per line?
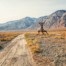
[18,54]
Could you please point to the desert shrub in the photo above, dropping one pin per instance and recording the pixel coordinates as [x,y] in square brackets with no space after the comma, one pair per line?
[26,35]
[32,43]
[7,36]
[59,37]
[3,39]
[35,40]
[1,47]
[35,48]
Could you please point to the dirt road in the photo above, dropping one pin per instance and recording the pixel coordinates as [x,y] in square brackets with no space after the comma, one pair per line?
[16,54]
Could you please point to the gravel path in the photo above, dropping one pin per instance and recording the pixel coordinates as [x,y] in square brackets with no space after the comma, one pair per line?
[17,54]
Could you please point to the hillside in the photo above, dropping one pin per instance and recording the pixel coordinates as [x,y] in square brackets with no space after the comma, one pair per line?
[52,21]
[18,24]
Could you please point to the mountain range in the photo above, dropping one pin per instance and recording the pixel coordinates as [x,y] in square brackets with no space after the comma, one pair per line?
[18,24]
[55,20]
[52,21]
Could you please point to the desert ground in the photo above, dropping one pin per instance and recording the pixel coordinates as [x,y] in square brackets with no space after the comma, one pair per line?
[33,49]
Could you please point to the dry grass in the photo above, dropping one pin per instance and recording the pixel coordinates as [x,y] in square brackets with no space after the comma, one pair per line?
[51,48]
[7,36]
[32,43]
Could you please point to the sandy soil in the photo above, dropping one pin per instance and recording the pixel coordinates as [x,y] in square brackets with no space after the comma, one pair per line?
[16,54]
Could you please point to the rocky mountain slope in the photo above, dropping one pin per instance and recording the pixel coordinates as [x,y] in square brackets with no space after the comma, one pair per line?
[18,24]
[52,21]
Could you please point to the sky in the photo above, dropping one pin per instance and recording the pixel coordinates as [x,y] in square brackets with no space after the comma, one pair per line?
[18,9]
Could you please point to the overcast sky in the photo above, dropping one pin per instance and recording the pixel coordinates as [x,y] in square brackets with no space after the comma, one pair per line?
[17,9]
